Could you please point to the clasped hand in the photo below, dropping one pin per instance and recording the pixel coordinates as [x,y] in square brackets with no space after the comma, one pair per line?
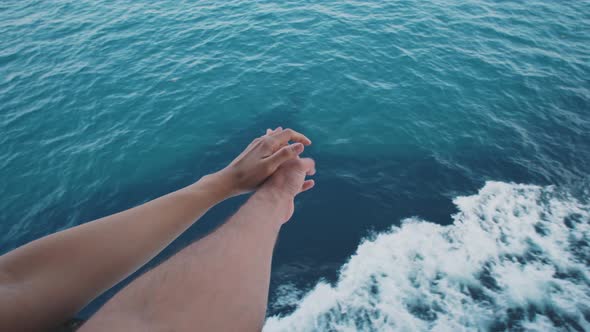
[272,166]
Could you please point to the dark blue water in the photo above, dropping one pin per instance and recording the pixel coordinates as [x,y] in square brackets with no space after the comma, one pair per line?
[410,104]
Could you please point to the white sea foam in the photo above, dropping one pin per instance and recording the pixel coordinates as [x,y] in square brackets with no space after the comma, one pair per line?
[516,257]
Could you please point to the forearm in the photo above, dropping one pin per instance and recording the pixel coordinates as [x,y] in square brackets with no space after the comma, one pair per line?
[219,283]
[54,277]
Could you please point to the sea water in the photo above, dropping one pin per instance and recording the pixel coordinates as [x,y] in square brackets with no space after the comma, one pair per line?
[452,141]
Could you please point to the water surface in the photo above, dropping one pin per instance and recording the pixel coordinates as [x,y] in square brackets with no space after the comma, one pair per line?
[410,104]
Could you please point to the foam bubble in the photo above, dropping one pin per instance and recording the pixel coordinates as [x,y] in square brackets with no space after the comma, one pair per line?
[516,257]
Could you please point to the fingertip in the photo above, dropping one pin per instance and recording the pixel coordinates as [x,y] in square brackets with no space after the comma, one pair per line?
[308,184]
[308,162]
[298,148]
[268,131]
[303,139]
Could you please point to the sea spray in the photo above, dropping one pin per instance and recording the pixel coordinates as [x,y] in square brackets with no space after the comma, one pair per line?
[516,257]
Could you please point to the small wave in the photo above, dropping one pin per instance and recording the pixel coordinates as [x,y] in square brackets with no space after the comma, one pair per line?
[516,257]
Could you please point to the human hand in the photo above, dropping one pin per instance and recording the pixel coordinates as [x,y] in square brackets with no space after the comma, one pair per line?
[261,159]
[286,183]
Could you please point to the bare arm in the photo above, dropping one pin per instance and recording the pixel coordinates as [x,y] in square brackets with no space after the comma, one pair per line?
[48,280]
[219,283]
[54,277]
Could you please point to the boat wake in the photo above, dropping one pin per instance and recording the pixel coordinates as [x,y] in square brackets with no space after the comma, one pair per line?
[516,257]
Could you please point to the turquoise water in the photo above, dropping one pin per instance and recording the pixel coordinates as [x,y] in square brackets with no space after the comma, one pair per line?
[410,105]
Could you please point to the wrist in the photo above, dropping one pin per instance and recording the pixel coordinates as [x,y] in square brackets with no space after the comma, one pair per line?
[263,214]
[216,185]
[272,197]
[279,206]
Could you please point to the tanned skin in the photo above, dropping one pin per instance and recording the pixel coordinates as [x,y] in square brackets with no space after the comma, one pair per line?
[226,274]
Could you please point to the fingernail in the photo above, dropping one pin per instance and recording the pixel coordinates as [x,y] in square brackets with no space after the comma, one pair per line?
[298,148]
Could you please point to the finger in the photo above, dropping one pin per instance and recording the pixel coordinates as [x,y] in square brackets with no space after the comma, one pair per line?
[269,131]
[254,143]
[308,165]
[308,184]
[284,136]
[283,154]
[276,131]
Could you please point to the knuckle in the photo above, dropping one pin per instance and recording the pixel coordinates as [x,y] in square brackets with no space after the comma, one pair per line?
[287,151]
[270,143]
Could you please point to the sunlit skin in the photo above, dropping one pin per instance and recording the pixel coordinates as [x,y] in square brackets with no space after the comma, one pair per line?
[218,283]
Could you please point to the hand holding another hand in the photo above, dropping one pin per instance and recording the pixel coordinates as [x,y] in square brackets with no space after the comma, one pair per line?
[262,158]
[287,182]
